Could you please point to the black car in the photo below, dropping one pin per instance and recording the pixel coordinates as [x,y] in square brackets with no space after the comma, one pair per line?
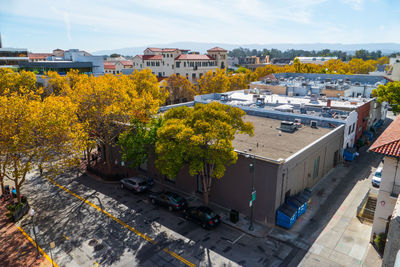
[168,199]
[202,215]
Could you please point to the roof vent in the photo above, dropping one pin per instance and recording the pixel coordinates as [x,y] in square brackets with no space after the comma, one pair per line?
[313,124]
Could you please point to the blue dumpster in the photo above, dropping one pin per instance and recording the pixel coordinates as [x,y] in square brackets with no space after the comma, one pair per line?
[286,216]
[294,202]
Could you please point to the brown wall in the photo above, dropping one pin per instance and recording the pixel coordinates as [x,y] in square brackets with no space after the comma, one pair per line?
[332,93]
[234,189]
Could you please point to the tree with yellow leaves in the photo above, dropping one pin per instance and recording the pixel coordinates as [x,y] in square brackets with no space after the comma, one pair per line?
[180,89]
[200,137]
[213,82]
[36,133]
[107,104]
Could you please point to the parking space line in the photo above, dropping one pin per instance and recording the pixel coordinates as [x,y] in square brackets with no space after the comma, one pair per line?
[147,238]
[237,239]
[35,245]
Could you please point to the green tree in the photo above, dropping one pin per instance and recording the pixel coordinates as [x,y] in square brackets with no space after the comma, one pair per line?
[138,142]
[389,93]
[200,137]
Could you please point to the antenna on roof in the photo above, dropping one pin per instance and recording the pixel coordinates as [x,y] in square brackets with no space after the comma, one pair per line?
[1,46]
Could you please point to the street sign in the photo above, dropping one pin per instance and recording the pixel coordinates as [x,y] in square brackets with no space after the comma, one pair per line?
[253,196]
[251,203]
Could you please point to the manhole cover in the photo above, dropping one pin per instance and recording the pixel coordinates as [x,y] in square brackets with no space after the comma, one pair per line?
[93,242]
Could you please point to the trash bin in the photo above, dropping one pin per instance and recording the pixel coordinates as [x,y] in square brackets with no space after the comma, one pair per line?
[234,216]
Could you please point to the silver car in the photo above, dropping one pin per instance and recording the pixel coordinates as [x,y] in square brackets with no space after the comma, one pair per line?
[136,184]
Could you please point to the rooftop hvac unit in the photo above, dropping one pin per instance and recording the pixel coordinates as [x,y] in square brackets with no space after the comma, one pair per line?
[313,124]
[288,126]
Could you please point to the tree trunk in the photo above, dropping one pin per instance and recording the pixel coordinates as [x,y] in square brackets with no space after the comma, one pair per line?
[2,184]
[17,189]
[205,190]
[107,157]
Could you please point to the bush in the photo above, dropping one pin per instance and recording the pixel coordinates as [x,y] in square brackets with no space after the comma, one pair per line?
[380,241]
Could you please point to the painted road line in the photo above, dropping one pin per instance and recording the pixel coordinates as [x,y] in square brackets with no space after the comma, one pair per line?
[147,238]
[35,245]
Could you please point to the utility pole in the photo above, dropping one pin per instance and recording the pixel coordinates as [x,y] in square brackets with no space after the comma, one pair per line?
[253,192]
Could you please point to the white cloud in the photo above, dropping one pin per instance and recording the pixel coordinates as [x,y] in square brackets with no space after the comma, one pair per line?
[355,4]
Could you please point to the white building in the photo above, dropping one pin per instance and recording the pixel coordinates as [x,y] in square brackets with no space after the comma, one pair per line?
[387,144]
[315,60]
[164,62]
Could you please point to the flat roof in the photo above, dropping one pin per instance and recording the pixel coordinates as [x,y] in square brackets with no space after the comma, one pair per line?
[273,143]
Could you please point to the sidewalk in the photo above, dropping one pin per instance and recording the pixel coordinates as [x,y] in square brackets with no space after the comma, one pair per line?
[15,248]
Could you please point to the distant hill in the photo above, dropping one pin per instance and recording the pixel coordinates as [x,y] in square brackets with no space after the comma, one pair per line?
[386,48]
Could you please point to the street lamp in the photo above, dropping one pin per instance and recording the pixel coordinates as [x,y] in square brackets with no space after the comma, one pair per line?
[253,192]
[32,213]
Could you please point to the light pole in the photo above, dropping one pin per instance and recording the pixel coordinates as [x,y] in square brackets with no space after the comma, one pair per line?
[32,213]
[253,192]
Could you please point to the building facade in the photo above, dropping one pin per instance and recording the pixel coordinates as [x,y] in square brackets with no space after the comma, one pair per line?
[388,144]
[164,62]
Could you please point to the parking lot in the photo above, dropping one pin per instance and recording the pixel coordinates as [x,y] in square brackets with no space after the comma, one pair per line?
[96,223]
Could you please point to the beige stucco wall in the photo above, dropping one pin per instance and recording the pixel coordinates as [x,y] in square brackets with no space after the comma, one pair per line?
[297,172]
[332,93]
[275,89]
[386,202]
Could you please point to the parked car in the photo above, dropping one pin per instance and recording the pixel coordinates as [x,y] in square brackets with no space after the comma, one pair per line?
[136,184]
[376,180]
[202,215]
[171,200]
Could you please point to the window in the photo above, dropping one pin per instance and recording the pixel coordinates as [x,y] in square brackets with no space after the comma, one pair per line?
[157,63]
[316,167]
[113,71]
[147,63]
[350,130]
[163,73]
[191,64]
[184,64]
[152,63]
[193,76]
[178,64]
[354,127]
[163,55]
[200,75]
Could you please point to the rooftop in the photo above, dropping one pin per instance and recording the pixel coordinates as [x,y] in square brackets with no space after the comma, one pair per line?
[388,143]
[271,143]
[193,57]
[217,49]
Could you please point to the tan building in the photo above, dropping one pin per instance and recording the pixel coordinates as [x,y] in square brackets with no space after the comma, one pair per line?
[164,62]
[388,144]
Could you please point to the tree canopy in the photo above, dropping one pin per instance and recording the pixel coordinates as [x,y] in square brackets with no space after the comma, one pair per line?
[200,137]
[390,93]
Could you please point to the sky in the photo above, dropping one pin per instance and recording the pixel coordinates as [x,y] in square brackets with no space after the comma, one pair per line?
[43,25]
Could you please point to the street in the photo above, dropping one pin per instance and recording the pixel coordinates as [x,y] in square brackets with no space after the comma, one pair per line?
[114,227]
[94,223]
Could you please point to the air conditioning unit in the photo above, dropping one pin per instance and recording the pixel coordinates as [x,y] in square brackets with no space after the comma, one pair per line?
[313,124]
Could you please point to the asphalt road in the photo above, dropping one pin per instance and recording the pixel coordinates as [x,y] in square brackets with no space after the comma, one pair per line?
[98,224]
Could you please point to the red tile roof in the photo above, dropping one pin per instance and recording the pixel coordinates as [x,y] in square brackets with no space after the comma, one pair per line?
[389,141]
[39,55]
[151,57]
[154,49]
[193,57]
[217,49]
[109,66]
[169,49]
[126,62]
